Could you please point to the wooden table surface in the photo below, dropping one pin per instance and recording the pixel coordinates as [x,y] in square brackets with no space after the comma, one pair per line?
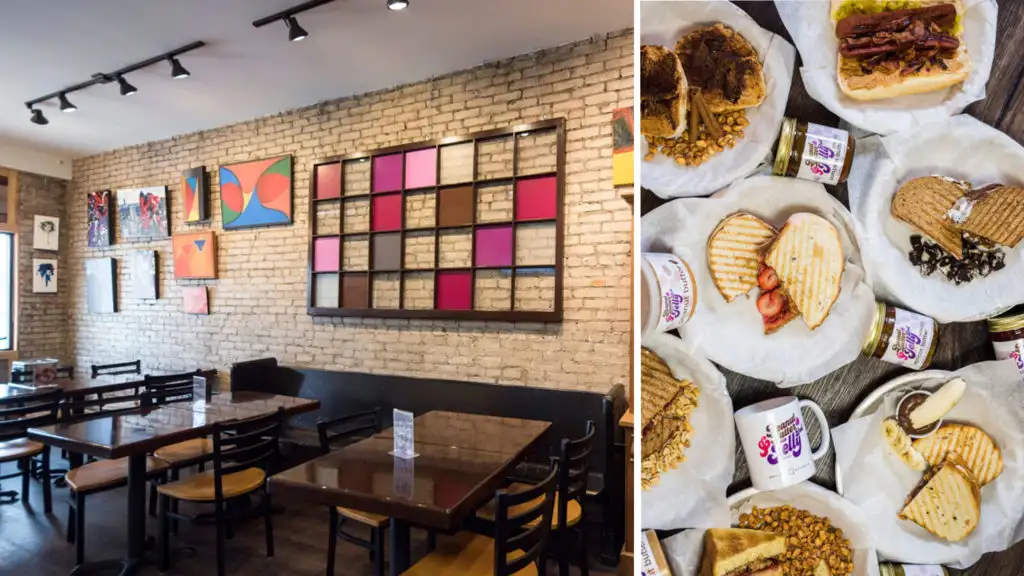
[960,344]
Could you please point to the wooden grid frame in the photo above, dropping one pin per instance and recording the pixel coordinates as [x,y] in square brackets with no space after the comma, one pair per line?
[557,126]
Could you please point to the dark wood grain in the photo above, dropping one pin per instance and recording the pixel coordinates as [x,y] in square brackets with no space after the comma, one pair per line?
[960,344]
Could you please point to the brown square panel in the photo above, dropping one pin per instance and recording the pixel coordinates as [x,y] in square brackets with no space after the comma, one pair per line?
[492,290]
[355,253]
[357,215]
[456,206]
[387,251]
[456,163]
[535,244]
[494,203]
[386,290]
[355,177]
[456,248]
[419,290]
[538,152]
[535,289]
[419,209]
[419,250]
[328,217]
[354,290]
[494,158]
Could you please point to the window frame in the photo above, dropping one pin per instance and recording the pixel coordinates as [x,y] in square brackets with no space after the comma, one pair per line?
[11,227]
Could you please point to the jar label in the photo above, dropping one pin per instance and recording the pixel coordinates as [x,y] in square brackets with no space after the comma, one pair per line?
[929,570]
[911,340]
[824,154]
[677,291]
[1014,349]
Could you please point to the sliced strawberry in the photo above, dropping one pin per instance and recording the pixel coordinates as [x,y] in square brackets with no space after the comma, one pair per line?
[771,304]
[767,279]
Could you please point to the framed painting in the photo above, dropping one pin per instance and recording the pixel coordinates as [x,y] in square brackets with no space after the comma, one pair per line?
[100,227]
[255,194]
[196,300]
[45,233]
[622,146]
[143,213]
[194,191]
[44,275]
[195,255]
[101,285]
[144,285]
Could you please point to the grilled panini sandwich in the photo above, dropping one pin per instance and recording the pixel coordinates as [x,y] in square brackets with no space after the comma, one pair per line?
[947,501]
[995,213]
[666,404]
[807,256]
[924,202]
[734,253]
[737,552]
[970,444]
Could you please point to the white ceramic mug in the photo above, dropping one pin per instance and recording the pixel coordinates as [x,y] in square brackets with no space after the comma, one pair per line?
[775,442]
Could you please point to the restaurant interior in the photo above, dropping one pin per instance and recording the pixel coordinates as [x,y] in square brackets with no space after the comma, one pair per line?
[320,288]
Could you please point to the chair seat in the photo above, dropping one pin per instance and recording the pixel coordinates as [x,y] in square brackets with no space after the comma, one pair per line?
[367,518]
[19,448]
[104,473]
[573,511]
[200,487]
[185,451]
[465,554]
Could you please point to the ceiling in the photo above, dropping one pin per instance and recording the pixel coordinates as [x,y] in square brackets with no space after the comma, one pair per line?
[354,46]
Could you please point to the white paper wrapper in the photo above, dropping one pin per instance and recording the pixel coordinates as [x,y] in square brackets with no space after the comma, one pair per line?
[732,334]
[683,551]
[663,23]
[960,147]
[810,26]
[878,482]
[693,495]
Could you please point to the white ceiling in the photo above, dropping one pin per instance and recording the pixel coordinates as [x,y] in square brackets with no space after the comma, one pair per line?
[355,46]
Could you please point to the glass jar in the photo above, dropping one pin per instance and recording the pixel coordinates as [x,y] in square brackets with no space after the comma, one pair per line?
[813,152]
[668,292]
[901,337]
[890,569]
[1007,334]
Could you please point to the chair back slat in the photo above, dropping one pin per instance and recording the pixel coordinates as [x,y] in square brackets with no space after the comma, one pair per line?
[66,372]
[522,522]
[573,469]
[133,367]
[19,413]
[110,400]
[347,429]
[242,444]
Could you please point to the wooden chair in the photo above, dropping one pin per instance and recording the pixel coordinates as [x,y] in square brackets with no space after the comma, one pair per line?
[522,522]
[244,455]
[17,415]
[113,399]
[133,367]
[339,432]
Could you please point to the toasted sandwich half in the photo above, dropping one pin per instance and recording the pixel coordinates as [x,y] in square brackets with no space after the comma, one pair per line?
[974,447]
[808,258]
[924,202]
[947,501]
[735,250]
[736,552]
[995,213]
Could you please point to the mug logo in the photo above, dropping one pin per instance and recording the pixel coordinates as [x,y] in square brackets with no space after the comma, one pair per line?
[789,432]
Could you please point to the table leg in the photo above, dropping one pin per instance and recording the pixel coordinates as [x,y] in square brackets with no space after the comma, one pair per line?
[136,511]
[399,546]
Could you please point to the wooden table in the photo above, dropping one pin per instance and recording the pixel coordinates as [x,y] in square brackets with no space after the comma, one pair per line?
[138,433]
[960,344]
[463,459]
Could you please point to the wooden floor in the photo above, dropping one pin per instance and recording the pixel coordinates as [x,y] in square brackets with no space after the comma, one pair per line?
[34,544]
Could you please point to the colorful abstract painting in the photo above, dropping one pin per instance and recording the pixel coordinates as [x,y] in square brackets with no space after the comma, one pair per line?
[101,286]
[195,255]
[44,275]
[45,233]
[196,300]
[257,193]
[622,146]
[193,188]
[143,213]
[100,228]
[143,265]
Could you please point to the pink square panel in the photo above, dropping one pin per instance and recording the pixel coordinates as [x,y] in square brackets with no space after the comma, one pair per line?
[454,290]
[325,254]
[387,212]
[536,198]
[328,180]
[421,168]
[387,173]
[494,246]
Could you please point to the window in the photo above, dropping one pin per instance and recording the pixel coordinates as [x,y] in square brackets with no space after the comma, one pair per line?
[8,261]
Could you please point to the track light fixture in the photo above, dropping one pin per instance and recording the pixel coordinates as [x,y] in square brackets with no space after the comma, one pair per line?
[65,104]
[398,4]
[177,71]
[295,32]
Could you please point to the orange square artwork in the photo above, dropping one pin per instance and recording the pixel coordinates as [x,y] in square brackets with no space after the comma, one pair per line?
[195,255]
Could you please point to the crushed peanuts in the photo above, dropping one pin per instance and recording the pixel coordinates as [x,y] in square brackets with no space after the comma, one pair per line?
[699,152]
[810,539]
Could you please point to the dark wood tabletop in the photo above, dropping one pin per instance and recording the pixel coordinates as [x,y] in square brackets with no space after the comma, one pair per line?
[960,344]
[463,459]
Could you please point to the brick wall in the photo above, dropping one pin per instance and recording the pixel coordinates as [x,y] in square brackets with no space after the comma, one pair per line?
[42,326]
[258,303]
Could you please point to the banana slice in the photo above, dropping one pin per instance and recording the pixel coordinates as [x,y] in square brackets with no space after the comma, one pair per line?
[901,445]
[938,404]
